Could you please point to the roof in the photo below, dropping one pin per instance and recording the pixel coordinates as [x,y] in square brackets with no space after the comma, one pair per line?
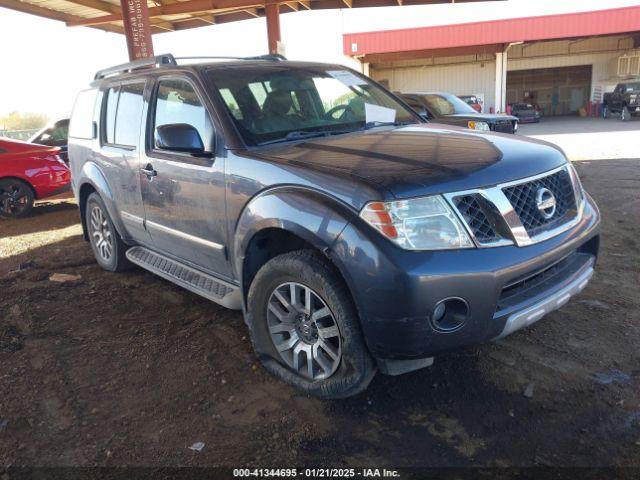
[170,15]
[490,36]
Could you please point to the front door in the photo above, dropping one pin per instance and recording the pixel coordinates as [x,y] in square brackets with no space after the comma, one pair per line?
[184,195]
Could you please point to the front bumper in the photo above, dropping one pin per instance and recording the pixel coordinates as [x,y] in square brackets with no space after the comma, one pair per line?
[506,288]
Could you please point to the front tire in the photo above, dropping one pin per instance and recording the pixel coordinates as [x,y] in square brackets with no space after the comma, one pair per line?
[107,246]
[305,328]
[16,198]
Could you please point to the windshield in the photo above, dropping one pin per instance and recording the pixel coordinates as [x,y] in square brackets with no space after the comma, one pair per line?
[446,104]
[522,106]
[633,87]
[275,104]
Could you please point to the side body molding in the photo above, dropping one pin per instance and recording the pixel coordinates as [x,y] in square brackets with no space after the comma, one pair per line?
[311,215]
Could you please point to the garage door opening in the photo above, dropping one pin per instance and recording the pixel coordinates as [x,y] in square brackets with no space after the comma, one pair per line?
[556,91]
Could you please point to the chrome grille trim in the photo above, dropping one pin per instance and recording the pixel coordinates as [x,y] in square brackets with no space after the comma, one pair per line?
[517,232]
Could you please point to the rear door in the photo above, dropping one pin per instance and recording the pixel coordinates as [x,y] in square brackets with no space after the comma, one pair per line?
[119,156]
[184,195]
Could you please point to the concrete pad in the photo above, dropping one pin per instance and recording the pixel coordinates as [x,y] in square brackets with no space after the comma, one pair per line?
[589,138]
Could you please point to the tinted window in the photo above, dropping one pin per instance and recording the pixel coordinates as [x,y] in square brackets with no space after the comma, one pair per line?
[110,115]
[55,136]
[177,102]
[82,118]
[446,104]
[413,103]
[127,127]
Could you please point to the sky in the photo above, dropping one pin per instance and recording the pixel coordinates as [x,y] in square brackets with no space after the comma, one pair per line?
[45,63]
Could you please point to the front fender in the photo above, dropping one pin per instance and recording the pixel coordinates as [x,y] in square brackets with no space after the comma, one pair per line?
[92,174]
[311,215]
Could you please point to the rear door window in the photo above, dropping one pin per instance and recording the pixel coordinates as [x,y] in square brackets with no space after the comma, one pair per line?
[127,127]
[122,114]
[109,118]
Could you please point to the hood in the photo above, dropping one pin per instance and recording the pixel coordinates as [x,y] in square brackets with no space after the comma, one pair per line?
[421,159]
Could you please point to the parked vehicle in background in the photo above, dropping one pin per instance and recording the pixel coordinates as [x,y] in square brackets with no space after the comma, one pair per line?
[27,173]
[449,109]
[625,100]
[353,235]
[472,101]
[525,112]
[54,135]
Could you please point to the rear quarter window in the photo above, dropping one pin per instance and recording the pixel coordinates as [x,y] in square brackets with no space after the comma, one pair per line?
[81,125]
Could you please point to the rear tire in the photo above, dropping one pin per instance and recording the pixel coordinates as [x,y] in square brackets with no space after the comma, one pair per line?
[328,330]
[107,246]
[16,198]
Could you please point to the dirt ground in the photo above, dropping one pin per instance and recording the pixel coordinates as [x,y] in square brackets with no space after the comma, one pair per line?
[127,369]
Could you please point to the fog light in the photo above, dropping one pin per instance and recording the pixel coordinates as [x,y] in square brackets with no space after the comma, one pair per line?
[449,315]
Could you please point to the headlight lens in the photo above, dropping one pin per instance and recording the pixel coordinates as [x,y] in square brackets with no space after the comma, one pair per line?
[473,125]
[418,224]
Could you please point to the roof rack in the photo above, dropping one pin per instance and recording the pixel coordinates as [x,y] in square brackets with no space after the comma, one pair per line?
[169,60]
[275,58]
[157,61]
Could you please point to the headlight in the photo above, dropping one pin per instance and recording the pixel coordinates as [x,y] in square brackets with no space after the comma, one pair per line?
[418,224]
[473,125]
[515,126]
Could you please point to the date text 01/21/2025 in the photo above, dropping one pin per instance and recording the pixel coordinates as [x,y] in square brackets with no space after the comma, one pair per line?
[316,473]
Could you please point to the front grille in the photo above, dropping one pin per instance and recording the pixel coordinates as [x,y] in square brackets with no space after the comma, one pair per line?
[523,200]
[470,209]
[504,126]
[542,280]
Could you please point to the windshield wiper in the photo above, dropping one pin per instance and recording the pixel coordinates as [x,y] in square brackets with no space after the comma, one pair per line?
[296,135]
[301,135]
[377,123]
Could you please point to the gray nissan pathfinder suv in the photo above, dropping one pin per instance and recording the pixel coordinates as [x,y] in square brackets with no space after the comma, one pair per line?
[353,235]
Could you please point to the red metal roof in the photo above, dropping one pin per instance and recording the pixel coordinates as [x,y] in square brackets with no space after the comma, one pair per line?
[547,27]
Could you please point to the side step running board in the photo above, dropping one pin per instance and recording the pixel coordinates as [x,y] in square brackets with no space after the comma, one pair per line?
[203,284]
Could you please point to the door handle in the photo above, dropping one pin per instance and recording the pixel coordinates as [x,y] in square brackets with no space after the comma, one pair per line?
[149,171]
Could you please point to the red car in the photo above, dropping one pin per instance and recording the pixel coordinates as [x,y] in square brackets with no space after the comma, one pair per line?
[29,172]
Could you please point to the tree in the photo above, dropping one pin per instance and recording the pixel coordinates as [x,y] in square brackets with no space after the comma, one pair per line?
[23,121]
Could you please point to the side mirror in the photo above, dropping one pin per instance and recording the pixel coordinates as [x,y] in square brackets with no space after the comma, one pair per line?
[425,116]
[179,137]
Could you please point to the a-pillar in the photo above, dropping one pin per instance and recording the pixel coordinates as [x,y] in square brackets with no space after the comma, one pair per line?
[272,14]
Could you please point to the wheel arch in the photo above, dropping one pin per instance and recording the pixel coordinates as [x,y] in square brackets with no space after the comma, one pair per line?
[92,179]
[23,180]
[282,220]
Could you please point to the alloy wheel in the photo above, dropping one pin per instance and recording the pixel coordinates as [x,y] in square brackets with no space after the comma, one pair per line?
[304,331]
[14,199]
[101,233]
